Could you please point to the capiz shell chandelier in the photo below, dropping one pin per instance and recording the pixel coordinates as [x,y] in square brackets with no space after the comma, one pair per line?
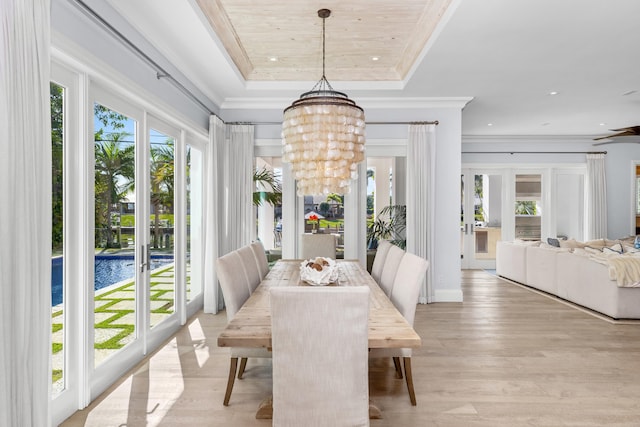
[323,136]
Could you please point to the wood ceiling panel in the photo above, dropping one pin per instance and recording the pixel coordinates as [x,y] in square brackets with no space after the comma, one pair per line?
[291,31]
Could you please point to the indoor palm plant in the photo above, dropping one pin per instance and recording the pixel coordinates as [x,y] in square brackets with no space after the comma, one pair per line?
[390,224]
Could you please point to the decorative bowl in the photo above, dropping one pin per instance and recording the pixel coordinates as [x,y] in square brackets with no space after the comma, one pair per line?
[319,271]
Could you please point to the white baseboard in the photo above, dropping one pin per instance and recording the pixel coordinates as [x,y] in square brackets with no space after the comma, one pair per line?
[447,295]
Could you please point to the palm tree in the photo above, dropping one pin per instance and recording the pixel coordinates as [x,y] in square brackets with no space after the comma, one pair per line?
[267,179]
[114,172]
[162,178]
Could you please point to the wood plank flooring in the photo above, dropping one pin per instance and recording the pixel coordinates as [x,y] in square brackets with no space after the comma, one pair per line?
[507,356]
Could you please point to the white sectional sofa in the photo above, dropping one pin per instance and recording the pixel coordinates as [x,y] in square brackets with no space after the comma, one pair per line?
[571,276]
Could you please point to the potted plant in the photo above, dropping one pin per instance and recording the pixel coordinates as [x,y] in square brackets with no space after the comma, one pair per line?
[390,224]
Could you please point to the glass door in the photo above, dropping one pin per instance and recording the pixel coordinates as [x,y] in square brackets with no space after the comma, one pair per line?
[528,206]
[138,292]
[116,280]
[161,246]
[481,217]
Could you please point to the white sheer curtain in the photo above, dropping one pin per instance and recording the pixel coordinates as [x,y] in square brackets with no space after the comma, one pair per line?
[213,189]
[421,155]
[596,197]
[25,213]
[239,186]
[229,209]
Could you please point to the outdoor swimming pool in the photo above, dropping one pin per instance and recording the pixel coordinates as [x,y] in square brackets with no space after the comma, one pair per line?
[109,269]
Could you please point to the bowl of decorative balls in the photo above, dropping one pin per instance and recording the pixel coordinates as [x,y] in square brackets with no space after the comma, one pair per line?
[319,271]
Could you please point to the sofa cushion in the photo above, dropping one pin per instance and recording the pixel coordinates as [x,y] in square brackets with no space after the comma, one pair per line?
[572,244]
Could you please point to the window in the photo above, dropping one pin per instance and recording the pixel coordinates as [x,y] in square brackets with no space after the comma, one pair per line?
[58,347]
[267,200]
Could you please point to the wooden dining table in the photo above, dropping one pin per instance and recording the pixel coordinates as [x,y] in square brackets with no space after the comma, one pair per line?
[251,326]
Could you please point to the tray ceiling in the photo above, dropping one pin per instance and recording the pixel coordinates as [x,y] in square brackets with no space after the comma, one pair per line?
[365,40]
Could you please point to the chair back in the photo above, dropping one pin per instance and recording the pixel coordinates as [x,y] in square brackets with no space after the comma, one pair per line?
[406,286]
[378,261]
[233,282]
[261,258]
[315,245]
[319,338]
[390,268]
[250,265]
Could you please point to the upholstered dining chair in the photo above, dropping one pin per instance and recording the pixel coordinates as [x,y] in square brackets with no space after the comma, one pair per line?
[250,266]
[378,261]
[236,290]
[390,268]
[315,245]
[261,258]
[404,296]
[319,338]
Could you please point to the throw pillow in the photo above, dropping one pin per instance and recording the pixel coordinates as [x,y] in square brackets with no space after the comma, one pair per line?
[591,250]
[571,243]
[617,248]
[598,243]
[553,242]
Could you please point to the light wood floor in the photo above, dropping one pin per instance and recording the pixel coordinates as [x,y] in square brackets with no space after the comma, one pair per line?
[507,356]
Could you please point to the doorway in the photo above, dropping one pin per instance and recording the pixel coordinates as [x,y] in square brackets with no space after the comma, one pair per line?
[481,217]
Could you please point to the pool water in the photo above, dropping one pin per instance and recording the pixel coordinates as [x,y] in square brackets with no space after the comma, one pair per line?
[109,269]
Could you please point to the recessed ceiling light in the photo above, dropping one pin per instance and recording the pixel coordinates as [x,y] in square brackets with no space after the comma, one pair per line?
[375,58]
[489,124]
[273,58]
[603,124]
[553,92]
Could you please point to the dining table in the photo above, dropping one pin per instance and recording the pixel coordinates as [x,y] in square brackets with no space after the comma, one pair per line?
[251,326]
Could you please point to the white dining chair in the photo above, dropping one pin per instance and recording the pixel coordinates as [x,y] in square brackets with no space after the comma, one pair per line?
[319,338]
[406,290]
[261,258]
[318,245]
[250,266]
[378,261]
[390,268]
[236,290]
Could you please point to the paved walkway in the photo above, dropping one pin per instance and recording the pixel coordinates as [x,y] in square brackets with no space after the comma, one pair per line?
[115,317]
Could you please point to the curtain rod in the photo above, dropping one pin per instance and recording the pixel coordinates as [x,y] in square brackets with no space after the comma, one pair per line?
[534,152]
[436,122]
[161,73]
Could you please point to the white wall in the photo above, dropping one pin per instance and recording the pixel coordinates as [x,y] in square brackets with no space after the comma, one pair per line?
[618,163]
[570,206]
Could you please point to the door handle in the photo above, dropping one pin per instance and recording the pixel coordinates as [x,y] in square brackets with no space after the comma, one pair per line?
[143,257]
[466,229]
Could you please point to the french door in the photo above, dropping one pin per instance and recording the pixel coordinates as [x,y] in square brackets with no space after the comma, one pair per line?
[138,292]
[481,222]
